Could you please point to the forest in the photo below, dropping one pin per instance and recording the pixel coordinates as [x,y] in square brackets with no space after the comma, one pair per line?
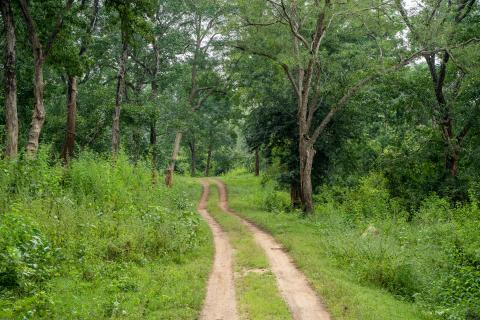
[242,159]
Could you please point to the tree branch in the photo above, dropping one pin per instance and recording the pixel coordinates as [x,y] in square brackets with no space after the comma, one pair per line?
[57,28]
[353,90]
[284,66]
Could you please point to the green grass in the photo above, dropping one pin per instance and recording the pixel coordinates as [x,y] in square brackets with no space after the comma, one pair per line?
[256,289]
[98,241]
[160,289]
[345,295]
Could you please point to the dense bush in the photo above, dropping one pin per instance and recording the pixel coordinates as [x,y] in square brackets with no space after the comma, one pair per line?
[90,221]
[429,255]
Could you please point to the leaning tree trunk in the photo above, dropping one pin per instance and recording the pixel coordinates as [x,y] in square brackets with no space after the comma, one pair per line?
[11,117]
[307,153]
[209,161]
[119,98]
[39,56]
[171,166]
[69,144]
[38,117]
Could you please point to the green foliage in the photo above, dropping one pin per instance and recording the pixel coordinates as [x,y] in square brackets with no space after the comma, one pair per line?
[27,258]
[276,202]
[428,257]
[92,222]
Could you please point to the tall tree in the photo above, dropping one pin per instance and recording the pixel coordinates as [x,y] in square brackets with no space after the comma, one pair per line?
[443,27]
[307,55]
[40,53]
[72,89]
[204,17]
[155,57]
[133,17]
[11,116]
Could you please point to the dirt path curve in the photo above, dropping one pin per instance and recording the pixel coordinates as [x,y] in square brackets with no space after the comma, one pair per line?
[220,303]
[302,301]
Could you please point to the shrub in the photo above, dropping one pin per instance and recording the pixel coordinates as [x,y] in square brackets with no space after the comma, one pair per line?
[274,201]
[27,257]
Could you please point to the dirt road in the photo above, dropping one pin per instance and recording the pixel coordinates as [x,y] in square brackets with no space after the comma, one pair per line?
[301,299]
[220,302]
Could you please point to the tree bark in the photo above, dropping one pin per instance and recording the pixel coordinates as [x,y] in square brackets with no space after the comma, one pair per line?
[39,56]
[307,154]
[153,148]
[452,144]
[209,161]
[295,199]
[171,166]
[153,127]
[69,144]
[193,153]
[257,162]
[11,116]
[72,85]
[38,117]
[119,97]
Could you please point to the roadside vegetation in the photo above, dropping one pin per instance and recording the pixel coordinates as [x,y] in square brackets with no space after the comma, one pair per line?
[365,254]
[360,118]
[96,240]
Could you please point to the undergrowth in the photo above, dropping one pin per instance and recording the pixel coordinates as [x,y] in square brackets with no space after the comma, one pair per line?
[429,256]
[102,232]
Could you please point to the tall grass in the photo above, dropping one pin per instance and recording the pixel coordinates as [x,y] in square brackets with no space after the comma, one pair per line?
[91,223]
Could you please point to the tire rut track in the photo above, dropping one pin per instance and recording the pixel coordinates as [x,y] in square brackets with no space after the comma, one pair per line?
[303,302]
[220,302]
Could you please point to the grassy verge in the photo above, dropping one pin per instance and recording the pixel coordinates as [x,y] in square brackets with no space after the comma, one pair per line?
[256,289]
[345,295]
[99,241]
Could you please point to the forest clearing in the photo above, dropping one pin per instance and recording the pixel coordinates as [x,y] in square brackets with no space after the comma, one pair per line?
[240,159]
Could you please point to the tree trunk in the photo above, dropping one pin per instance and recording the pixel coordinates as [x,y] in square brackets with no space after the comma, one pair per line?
[209,161]
[153,148]
[171,166]
[451,163]
[257,162]
[39,56]
[119,98]
[452,149]
[193,153]
[11,116]
[38,117]
[307,153]
[153,129]
[69,144]
[295,198]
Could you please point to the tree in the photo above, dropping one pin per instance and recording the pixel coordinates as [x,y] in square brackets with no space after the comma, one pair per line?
[72,88]
[40,53]
[443,27]
[10,80]
[204,17]
[306,56]
[132,16]
[155,57]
